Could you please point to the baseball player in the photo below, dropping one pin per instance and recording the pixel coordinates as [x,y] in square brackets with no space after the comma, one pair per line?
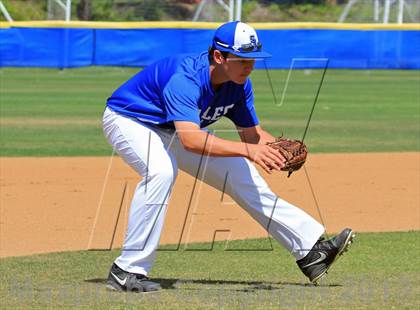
[156,122]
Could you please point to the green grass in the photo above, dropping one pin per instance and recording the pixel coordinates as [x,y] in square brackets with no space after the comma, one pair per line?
[379,272]
[47,112]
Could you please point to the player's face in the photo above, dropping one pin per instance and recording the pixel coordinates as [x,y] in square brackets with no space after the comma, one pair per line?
[238,69]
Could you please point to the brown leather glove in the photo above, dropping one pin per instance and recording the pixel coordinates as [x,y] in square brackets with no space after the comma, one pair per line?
[294,151]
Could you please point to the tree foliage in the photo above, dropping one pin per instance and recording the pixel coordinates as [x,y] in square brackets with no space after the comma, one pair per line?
[153,10]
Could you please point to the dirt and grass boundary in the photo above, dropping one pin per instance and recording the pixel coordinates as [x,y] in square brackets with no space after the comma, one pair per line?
[75,203]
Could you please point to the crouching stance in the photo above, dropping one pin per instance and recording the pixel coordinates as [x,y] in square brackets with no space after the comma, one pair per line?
[156,122]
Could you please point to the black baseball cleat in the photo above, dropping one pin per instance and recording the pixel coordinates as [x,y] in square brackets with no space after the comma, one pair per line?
[323,254]
[120,280]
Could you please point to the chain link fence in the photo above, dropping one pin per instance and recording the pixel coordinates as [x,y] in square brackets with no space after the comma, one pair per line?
[348,11]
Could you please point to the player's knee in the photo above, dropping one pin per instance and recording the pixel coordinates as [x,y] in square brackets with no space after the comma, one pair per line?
[166,174]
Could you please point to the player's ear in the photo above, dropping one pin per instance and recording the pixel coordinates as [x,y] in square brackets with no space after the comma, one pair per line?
[218,57]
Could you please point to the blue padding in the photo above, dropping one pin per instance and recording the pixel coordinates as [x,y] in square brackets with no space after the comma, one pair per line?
[140,47]
[353,49]
[305,48]
[46,47]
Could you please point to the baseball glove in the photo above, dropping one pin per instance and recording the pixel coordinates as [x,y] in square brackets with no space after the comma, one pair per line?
[294,151]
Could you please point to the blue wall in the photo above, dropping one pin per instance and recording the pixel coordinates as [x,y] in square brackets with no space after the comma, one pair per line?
[75,47]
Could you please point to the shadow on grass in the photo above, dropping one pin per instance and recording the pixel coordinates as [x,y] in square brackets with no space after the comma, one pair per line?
[222,284]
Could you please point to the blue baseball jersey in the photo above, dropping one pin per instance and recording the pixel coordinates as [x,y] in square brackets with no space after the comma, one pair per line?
[178,88]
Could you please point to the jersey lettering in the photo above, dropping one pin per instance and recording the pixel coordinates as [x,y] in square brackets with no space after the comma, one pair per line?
[218,113]
[227,108]
[204,116]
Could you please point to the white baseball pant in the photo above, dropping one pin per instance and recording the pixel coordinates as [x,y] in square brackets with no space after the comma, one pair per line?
[156,154]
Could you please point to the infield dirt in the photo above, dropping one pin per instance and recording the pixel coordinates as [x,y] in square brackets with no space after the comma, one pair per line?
[73,203]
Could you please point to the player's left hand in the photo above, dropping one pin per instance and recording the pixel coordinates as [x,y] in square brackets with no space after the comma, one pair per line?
[294,152]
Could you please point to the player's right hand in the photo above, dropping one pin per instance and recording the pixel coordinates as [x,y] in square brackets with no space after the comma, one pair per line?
[265,156]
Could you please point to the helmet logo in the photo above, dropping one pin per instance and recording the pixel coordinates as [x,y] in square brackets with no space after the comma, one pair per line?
[253,40]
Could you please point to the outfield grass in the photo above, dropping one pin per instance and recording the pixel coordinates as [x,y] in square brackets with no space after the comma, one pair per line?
[47,112]
[379,272]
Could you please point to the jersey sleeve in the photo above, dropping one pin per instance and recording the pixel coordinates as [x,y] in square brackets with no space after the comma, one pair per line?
[244,114]
[181,96]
